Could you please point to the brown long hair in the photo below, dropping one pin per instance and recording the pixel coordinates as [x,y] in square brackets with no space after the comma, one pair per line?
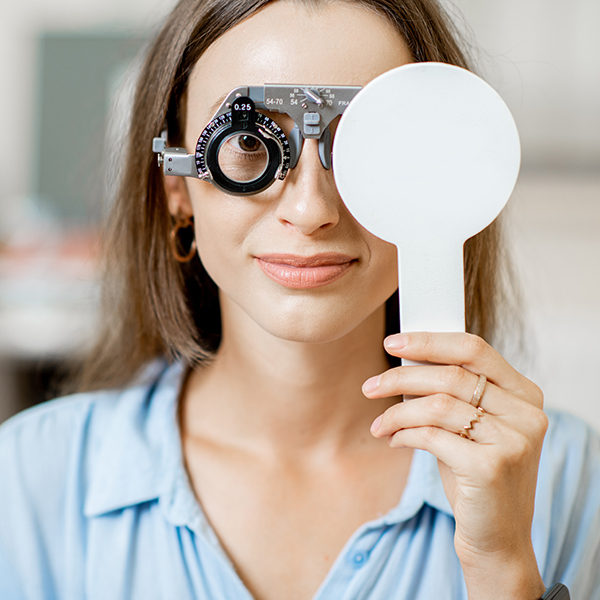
[152,305]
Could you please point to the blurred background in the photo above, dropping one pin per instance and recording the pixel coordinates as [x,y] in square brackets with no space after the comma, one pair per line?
[64,68]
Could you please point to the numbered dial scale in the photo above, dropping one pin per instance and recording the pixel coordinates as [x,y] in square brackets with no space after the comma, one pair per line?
[242,151]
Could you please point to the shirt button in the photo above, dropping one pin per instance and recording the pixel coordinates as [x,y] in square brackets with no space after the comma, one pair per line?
[359,559]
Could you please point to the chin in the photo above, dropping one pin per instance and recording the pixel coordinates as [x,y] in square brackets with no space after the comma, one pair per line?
[314,327]
[308,318]
[307,333]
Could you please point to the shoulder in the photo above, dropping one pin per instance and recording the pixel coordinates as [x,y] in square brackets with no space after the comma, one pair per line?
[566,527]
[37,446]
[51,425]
[43,443]
[39,442]
[50,457]
[570,461]
[570,456]
[41,480]
[568,431]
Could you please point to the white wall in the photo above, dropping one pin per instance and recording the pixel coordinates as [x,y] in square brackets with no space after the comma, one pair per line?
[555,228]
[543,56]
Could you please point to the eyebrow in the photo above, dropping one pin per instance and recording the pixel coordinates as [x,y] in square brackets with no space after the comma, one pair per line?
[213,109]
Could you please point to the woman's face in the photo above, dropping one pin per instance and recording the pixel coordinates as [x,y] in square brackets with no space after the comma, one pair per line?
[291,258]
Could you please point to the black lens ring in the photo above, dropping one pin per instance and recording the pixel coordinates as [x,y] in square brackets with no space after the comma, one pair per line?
[236,188]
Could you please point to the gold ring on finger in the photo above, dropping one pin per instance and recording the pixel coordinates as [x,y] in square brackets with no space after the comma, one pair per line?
[466,430]
[479,389]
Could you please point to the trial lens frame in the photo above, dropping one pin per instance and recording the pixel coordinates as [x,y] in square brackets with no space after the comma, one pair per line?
[312,108]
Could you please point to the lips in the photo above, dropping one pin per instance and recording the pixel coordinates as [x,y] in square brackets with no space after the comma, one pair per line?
[305,272]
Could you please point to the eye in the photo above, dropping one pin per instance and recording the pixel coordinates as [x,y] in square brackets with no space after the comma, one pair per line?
[245,143]
[243,158]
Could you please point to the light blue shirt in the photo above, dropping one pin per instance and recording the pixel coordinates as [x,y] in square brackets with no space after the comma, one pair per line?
[95,504]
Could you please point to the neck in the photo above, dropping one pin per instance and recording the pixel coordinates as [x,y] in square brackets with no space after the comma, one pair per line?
[274,394]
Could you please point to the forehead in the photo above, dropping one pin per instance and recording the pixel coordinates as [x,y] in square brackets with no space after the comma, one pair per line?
[337,43]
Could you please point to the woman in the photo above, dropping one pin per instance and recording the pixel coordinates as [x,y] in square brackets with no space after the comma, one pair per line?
[245,467]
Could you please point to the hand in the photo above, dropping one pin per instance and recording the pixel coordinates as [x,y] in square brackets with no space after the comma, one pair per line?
[489,479]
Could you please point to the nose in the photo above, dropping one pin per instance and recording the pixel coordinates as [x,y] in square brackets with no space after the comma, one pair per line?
[309,201]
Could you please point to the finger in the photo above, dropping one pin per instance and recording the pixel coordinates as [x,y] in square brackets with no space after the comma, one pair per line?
[468,351]
[439,410]
[448,447]
[451,380]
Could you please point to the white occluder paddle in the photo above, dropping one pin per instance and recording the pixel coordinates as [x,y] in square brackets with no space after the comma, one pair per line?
[424,157]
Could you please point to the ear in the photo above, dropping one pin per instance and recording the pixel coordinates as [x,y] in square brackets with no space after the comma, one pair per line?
[178,198]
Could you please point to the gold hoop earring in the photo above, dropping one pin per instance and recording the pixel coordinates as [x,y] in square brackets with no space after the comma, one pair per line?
[174,238]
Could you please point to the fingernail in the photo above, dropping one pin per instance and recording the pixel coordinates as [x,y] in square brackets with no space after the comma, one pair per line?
[376,424]
[370,385]
[395,342]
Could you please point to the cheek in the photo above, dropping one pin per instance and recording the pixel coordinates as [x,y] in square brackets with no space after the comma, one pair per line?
[383,263]
[214,245]
[223,225]
[219,246]
[385,276]
[390,265]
